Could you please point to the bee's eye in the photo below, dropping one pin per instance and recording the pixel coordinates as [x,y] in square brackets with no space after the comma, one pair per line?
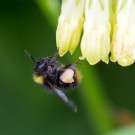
[41,65]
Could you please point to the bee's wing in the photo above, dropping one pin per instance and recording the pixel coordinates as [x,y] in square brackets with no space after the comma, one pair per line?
[63,96]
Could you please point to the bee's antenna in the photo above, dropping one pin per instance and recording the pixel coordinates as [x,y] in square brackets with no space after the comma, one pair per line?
[30,56]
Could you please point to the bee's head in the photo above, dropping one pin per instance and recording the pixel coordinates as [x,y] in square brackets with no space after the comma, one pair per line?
[41,65]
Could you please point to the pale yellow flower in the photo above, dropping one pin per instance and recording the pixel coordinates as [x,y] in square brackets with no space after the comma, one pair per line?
[123,42]
[95,44]
[70,25]
[108,26]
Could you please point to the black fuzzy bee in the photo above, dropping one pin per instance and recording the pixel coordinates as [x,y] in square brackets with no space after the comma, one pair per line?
[52,75]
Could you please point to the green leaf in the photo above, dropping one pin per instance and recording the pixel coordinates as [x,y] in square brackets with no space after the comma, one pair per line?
[130,130]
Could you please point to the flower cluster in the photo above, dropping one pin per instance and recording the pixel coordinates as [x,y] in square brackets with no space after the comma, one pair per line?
[106,26]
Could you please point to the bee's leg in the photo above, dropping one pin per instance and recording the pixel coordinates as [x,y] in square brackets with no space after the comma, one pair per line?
[56,54]
[73,65]
[54,57]
[49,71]
[77,62]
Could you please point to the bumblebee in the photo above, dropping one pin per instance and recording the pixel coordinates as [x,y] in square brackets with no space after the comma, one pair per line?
[54,76]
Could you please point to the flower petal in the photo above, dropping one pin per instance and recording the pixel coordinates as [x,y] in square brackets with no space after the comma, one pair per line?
[123,42]
[95,44]
[70,25]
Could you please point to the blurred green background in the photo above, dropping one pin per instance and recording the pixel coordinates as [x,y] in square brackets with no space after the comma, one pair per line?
[105,97]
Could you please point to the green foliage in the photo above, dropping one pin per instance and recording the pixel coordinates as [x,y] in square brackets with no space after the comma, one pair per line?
[130,130]
[25,109]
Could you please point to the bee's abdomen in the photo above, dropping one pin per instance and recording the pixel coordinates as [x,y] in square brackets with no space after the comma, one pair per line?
[38,79]
[77,75]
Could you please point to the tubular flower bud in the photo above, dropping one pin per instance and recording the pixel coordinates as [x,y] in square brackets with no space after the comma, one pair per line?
[123,42]
[70,25]
[95,44]
[105,21]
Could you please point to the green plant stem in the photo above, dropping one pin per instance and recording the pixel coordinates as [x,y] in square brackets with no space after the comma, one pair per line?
[92,90]
[94,100]
[51,9]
